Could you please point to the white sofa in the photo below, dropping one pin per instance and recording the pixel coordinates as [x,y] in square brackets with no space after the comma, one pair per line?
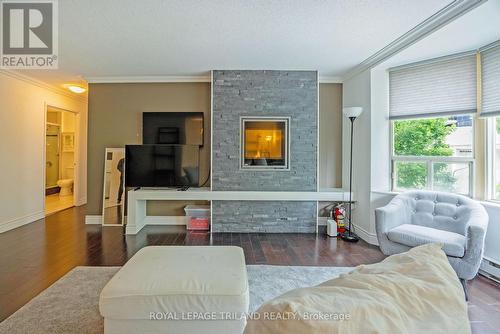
[178,289]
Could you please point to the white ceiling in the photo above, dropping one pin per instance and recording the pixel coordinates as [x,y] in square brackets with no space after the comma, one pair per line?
[131,38]
[477,28]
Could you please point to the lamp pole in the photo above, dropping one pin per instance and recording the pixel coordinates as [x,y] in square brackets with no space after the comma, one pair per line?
[348,235]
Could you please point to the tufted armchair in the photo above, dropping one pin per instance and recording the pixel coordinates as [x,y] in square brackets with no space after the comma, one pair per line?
[418,217]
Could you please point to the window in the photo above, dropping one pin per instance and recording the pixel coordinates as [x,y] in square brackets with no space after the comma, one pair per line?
[431,106]
[433,153]
[493,158]
[490,109]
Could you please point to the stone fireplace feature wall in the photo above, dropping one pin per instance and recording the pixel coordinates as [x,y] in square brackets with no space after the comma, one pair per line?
[291,94]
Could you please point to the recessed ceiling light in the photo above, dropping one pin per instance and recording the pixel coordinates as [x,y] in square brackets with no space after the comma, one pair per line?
[76,89]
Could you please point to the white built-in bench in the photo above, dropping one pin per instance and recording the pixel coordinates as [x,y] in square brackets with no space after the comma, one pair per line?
[137,216]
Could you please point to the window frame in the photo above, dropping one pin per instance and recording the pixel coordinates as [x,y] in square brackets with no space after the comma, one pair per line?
[490,163]
[430,160]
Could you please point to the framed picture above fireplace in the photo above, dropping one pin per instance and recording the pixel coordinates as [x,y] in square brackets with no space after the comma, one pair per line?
[265,143]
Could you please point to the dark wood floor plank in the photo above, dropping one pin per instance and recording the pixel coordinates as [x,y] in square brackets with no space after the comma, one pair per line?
[34,256]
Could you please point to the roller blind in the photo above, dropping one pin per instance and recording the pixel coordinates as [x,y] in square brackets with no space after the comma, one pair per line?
[439,87]
[490,81]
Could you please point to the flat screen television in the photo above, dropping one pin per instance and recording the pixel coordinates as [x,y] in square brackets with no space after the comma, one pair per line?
[162,165]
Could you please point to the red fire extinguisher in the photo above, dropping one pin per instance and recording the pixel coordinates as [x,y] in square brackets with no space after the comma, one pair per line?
[339,216]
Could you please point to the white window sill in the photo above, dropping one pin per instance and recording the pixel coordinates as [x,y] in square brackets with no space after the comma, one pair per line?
[386,192]
[491,204]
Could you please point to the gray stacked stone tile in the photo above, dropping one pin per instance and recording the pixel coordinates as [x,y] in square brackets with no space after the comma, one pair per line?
[264,216]
[291,94]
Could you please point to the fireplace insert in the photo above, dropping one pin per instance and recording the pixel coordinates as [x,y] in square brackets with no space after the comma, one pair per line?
[265,143]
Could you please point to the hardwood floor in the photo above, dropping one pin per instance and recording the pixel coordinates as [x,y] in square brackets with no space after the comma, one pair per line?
[55,203]
[34,256]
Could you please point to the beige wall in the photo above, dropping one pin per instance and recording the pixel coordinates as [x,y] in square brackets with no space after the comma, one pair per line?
[23,106]
[330,135]
[115,120]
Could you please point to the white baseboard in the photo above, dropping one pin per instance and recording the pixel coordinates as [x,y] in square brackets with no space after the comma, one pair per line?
[130,229]
[165,220]
[149,220]
[17,222]
[490,268]
[370,238]
[93,219]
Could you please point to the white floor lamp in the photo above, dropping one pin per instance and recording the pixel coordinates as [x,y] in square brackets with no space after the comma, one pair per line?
[352,113]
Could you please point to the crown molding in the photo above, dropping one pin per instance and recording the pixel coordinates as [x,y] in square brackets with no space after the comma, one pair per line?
[173,79]
[327,79]
[44,85]
[148,79]
[489,46]
[446,15]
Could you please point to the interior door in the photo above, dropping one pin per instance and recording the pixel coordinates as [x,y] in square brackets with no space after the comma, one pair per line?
[52,161]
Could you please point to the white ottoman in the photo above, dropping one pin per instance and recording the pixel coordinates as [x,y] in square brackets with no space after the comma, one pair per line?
[178,289]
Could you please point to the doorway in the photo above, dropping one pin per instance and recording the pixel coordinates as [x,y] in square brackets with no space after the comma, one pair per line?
[52,155]
[60,159]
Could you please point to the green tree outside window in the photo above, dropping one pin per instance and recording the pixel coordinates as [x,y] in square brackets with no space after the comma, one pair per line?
[423,137]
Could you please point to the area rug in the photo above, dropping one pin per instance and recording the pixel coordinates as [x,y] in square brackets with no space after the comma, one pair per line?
[71,304]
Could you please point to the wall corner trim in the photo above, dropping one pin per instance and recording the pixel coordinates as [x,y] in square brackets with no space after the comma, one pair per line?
[446,15]
[329,79]
[44,85]
[81,201]
[93,219]
[17,222]
[370,238]
[149,79]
